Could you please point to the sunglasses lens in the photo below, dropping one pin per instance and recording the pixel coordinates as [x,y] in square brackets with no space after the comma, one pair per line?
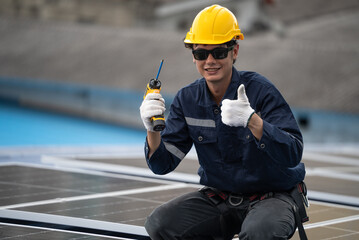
[217,53]
[200,54]
[220,53]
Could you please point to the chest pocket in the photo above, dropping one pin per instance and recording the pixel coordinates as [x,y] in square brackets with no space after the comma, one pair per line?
[202,131]
[205,140]
[236,134]
[235,143]
[203,135]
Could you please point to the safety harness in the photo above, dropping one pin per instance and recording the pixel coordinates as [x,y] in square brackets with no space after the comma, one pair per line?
[298,194]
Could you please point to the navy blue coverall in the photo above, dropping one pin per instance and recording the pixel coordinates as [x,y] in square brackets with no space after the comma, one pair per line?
[231,159]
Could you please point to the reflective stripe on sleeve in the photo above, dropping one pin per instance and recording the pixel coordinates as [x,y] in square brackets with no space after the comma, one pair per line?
[200,122]
[296,139]
[174,150]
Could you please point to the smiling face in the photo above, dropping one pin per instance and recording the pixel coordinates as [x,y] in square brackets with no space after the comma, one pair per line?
[216,70]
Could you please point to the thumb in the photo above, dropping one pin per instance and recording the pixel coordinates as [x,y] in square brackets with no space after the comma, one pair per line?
[242,93]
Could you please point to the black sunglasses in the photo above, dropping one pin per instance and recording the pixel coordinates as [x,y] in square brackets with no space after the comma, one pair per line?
[217,53]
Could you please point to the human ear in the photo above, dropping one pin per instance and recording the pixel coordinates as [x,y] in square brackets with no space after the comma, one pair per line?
[235,51]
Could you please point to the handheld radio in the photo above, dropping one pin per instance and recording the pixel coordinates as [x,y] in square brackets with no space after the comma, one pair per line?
[154,86]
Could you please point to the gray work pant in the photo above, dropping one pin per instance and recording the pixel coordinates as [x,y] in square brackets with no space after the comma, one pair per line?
[194,216]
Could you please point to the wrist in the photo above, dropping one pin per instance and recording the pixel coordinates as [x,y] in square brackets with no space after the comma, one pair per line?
[250,117]
[153,141]
[255,125]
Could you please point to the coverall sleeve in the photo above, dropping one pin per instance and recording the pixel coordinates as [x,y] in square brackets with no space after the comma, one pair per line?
[282,140]
[175,142]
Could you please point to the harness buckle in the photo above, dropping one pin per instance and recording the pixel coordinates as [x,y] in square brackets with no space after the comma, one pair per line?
[302,188]
[235,200]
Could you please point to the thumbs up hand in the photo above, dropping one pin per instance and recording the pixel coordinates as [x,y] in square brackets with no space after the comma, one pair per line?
[237,113]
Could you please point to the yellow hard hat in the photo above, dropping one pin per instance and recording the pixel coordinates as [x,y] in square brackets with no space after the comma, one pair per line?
[214,25]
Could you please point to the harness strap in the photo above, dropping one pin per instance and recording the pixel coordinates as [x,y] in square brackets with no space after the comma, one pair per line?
[301,200]
[298,194]
[218,198]
[298,219]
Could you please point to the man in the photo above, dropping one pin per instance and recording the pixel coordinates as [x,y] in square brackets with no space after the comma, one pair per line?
[248,144]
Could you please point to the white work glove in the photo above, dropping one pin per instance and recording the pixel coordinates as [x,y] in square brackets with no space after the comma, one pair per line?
[152,105]
[237,113]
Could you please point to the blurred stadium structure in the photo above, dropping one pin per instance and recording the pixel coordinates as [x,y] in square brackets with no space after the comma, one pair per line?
[172,14]
[94,58]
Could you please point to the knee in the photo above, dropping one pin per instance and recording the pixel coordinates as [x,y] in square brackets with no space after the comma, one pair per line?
[155,225]
[268,231]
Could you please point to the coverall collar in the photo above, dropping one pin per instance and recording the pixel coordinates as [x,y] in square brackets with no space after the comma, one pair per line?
[231,92]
